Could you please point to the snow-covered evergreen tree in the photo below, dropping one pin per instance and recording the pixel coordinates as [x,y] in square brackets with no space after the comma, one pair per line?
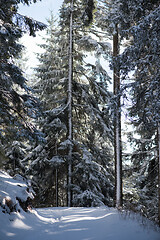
[142,57]
[16,106]
[109,20]
[91,124]
[92,183]
[137,21]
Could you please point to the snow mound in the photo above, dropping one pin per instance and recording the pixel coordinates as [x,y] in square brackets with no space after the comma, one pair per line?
[99,223]
[96,223]
[14,190]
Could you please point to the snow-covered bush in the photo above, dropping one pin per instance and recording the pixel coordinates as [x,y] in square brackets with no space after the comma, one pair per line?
[92,183]
[88,199]
[15,193]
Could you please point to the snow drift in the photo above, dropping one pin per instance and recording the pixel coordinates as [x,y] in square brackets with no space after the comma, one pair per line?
[101,223]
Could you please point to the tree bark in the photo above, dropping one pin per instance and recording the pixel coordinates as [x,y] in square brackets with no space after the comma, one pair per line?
[70,135]
[117,125]
[159,173]
[56,187]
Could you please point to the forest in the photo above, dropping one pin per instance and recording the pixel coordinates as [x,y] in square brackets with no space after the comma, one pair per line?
[82,137]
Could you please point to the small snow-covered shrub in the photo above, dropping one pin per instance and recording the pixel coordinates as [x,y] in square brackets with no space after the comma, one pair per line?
[15,193]
[87,199]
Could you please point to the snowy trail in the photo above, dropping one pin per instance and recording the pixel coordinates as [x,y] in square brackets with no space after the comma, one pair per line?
[75,224]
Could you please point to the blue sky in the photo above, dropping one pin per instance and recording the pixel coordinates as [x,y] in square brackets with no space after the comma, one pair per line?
[41,10]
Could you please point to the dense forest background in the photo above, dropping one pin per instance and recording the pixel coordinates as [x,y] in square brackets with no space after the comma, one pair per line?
[64,129]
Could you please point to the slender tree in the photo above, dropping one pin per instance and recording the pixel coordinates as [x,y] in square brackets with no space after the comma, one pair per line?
[90,114]
[109,20]
[70,125]
[159,173]
[117,123]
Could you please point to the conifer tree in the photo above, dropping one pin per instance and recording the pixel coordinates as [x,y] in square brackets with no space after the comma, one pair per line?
[142,57]
[137,22]
[90,113]
[109,20]
[16,107]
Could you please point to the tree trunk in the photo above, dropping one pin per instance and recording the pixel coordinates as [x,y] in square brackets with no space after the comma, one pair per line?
[117,126]
[159,173]
[56,187]
[70,77]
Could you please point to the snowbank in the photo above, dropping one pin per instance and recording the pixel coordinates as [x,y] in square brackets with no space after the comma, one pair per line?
[100,223]
[14,191]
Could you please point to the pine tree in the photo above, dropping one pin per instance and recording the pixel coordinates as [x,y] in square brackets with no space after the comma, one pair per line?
[109,19]
[90,112]
[51,88]
[70,101]
[14,106]
[83,92]
[158,135]
[17,104]
[142,58]
[137,22]
[117,123]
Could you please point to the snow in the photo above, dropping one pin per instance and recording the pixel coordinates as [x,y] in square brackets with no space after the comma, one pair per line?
[101,223]
[118,168]
[75,223]
[13,188]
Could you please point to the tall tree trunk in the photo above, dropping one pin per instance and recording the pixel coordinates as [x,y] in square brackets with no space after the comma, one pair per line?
[117,126]
[56,177]
[159,173]
[56,187]
[70,77]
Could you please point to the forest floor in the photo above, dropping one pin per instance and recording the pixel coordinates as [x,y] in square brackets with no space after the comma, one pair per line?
[101,223]
[76,224]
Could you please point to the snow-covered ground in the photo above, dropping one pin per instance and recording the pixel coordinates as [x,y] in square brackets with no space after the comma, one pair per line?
[70,223]
[74,224]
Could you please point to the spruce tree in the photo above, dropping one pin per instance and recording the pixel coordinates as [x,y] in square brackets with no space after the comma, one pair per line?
[91,122]
[17,105]
[109,20]
[142,57]
[138,23]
